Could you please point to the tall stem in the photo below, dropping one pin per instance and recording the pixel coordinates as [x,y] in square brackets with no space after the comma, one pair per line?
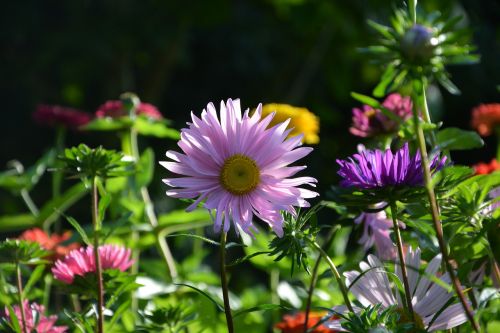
[223,280]
[130,146]
[435,213]
[404,273]
[97,228]
[335,272]
[314,277]
[20,295]
[29,202]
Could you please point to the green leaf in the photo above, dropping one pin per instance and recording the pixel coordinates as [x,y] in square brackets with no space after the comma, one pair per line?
[14,321]
[382,29]
[35,276]
[118,313]
[261,307]
[218,306]
[79,229]
[453,138]
[247,257]
[108,124]
[156,128]
[17,222]
[51,211]
[387,78]
[145,168]
[104,202]
[366,100]
[447,84]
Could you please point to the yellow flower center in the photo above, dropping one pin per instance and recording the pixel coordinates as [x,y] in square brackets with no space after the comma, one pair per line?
[405,317]
[239,175]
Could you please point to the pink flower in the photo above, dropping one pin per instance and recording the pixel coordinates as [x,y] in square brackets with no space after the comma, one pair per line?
[81,262]
[368,122]
[54,115]
[35,320]
[239,167]
[377,231]
[114,109]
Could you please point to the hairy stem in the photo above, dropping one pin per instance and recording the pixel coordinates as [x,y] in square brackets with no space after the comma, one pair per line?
[435,213]
[20,295]
[335,272]
[314,277]
[97,227]
[223,280]
[404,273]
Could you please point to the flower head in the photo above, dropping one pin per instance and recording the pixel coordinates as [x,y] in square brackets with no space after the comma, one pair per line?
[485,118]
[372,287]
[36,321]
[54,115]
[81,261]
[295,323]
[373,169]
[368,122]
[302,121]
[482,168]
[52,243]
[377,231]
[115,109]
[239,167]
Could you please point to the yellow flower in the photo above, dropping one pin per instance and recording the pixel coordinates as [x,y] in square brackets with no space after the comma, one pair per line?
[302,120]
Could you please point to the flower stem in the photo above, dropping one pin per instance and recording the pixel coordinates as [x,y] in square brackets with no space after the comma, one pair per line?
[435,212]
[314,277]
[335,272]
[404,273]
[20,295]
[57,175]
[97,228]
[29,202]
[130,146]
[223,280]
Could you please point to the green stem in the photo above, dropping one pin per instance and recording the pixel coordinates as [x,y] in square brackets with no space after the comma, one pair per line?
[314,277]
[435,213]
[46,290]
[404,273]
[130,146]
[29,202]
[97,228]
[20,295]
[335,272]
[57,175]
[413,11]
[223,280]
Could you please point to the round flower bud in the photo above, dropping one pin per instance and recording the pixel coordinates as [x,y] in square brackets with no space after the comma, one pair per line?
[417,44]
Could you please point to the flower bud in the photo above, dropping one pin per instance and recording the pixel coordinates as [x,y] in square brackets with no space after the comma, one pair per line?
[417,44]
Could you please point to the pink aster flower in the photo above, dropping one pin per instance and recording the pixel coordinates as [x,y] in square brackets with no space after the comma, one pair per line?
[368,122]
[239,167]
[114,109]
[54,115]
[377,231]
[81,262]
[429,299]
[35,319]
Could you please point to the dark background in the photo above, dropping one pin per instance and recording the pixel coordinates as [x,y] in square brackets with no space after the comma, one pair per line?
[179,55]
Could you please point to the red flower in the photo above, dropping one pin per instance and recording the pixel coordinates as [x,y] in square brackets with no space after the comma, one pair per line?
[114,109]
[482,168]
[52,243]
[485,118]
[295,323]
[54,115]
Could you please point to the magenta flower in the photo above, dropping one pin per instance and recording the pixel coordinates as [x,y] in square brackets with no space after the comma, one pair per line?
[372,169]
[35,319]
[239,167]
[81,261]
[54,115]
[114,109]
[368,122]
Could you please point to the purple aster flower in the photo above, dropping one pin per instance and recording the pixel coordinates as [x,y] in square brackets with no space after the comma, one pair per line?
[373,169]
[368,122]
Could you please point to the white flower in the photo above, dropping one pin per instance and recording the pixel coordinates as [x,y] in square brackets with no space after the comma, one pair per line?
[428,298]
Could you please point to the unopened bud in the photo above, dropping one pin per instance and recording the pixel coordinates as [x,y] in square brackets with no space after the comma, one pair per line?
[417,44]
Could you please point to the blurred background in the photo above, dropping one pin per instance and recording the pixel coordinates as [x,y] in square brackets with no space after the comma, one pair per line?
[180,55]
